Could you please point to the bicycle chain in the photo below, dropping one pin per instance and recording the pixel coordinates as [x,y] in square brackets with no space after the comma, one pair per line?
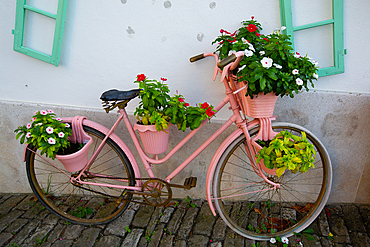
[125,190]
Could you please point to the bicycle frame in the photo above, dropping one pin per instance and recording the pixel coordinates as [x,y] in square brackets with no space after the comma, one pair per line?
[147,161]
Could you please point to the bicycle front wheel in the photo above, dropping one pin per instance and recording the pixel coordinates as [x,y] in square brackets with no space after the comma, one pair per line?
[252,208]
[80,203]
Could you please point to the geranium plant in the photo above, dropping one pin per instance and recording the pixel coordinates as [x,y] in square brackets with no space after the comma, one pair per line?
[46,132]
[287,151]
[269,64]
[158,108]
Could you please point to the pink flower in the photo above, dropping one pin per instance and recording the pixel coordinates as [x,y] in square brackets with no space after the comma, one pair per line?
[49,130]
[28,135]
[33,119]
[50,111]
[60,134]
[29,125]
[35,112]
[67,125]
[51,141]
[43,112]
[59,119]
[181,100]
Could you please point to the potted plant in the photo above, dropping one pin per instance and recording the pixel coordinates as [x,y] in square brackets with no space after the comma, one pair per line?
[51,136]
[157,110]
[287,151]
[270,66]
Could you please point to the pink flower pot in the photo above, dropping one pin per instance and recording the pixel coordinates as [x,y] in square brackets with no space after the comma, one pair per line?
[259,107]
[154,142]
[76,161]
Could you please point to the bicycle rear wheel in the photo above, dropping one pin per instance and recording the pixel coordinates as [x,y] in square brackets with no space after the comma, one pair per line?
[83,204]
[252,208]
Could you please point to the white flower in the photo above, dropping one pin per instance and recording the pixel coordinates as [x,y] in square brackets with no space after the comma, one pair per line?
[39,124]
[43,112]
[316,76]
[295,72]
[232,52]
[266,62]
[49,130]
[29,125]
[299,81]
[28,135]
[241,68]
[282,28]
[315,63]
[67,125]
[59,119]
[297,55]
[278,66]
[251,47]
[272,240]
[50,111]
[248,53]
[262,52]
[51,141]
[60,134]
[285,240]
[244,41]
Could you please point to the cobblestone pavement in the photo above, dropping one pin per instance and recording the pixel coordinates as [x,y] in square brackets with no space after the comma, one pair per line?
[24,222]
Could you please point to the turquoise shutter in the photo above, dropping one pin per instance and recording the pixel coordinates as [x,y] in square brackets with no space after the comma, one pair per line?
[19,29]
[336,21]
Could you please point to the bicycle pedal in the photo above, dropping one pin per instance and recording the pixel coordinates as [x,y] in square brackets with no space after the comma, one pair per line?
[190,182]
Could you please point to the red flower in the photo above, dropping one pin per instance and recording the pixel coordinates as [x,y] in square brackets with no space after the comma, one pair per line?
[204,105]
[141,77]
[163,79]
[251,28]
[258,34]
[186,104]
[209,112]
[231,41]
[181,100]
[252,17]
[266,39]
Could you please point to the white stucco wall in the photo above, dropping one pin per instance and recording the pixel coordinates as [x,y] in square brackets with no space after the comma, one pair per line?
[106,44]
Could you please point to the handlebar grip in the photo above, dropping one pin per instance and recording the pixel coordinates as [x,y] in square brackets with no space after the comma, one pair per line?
[197,57]
[226,61]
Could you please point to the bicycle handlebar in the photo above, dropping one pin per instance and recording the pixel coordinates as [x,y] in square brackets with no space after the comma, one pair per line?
[197,57]
[226,61]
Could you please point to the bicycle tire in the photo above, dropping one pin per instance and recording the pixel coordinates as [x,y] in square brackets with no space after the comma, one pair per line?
[287,210]
[82,204]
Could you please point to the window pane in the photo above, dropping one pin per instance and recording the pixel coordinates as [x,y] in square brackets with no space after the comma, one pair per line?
[50,6]
[318,43]
[39,32]
[310,11]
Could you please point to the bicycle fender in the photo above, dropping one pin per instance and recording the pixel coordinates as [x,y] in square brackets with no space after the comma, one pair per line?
[212,166]
[113,136]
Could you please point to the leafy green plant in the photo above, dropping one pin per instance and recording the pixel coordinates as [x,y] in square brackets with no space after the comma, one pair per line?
[288,151]
[189,201]
[42,240]
[82,212]
[46,132]
[307,232]
[149,235]
[127,229]
[158,108]
[269,63]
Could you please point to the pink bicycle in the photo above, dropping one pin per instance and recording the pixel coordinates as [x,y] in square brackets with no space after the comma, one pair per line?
[253,203]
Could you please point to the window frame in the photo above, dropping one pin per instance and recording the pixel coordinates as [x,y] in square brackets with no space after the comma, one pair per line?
[19,29]
[338,34]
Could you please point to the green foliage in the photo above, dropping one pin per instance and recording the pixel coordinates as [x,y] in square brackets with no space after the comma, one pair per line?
[190,204]
[46,132]
[158,108]
[277,76]
[82,212]
[288,151]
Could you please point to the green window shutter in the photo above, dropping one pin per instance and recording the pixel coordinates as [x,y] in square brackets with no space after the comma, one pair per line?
[336,21]
[19,30]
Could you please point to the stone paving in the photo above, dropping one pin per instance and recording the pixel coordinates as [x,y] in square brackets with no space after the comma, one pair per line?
[24,222]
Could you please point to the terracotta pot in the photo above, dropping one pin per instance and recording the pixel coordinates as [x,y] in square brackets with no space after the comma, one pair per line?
[76,161]
[154,142]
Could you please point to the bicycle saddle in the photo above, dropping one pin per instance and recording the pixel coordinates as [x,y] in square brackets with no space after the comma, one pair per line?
[114,95]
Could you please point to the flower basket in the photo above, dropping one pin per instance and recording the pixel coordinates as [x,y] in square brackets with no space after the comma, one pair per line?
[259,107]
[76,161]
[154,142]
